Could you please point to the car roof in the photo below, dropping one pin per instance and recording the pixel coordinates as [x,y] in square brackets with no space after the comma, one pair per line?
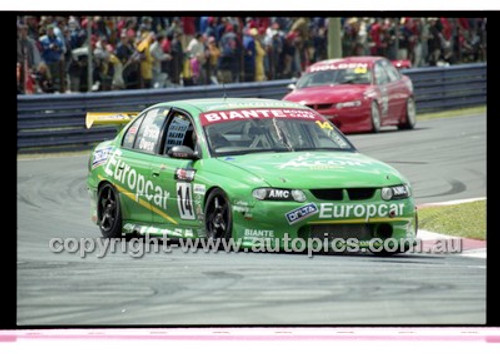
[221,104]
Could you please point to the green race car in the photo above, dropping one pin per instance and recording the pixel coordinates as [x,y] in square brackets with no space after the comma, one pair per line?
[244,170]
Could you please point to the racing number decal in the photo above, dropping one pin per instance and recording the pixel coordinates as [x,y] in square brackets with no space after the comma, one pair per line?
[324,125]
[185,201]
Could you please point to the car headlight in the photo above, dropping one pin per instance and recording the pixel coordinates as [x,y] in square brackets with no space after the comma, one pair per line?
[279,194]
[298,195]
[348,104]
[396,192]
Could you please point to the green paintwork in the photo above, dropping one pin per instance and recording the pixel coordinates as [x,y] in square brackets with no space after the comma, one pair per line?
[155,207]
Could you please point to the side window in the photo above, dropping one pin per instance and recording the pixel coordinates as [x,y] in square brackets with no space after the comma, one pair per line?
[149,132]
[392,72]
[129,137]
[380,74]
[180,131]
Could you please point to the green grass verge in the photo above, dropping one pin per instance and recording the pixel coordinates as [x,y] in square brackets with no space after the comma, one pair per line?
[465,220]
[451,113]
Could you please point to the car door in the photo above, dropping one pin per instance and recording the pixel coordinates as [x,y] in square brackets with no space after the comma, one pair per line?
[398,91]
[382,82]
[177,175]
[141,197]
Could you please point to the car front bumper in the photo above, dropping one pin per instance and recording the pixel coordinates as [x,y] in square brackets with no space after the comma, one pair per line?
[349,119]
[363,221]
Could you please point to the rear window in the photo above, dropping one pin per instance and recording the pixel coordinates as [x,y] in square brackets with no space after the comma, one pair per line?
[129,138]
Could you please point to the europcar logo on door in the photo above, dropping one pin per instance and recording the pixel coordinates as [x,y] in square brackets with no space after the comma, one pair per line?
[135,181]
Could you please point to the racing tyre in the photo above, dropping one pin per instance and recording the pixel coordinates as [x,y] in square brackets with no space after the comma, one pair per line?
[218,217]
[108,212]
[411,115]
[375,117]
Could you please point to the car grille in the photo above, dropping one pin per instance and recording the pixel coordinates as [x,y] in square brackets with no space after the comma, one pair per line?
[328,194]
[320,106]
[337,193]
[360,193]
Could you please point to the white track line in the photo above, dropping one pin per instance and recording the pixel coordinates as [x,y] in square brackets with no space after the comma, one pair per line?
[431,236]
[477,253]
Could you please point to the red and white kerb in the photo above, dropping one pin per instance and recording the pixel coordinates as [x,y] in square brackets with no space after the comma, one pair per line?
[213,117]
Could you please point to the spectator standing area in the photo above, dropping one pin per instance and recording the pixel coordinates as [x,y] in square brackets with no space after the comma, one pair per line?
[158,52]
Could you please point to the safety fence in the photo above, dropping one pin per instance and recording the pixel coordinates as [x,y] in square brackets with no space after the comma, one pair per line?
[52,122]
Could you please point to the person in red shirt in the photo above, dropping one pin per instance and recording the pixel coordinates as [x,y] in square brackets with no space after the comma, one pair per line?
[377,34]
[189,29]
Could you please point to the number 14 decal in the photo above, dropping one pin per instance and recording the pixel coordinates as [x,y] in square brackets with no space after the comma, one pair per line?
[185,201]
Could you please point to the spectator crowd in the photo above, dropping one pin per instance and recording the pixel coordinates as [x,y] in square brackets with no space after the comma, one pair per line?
[155,52]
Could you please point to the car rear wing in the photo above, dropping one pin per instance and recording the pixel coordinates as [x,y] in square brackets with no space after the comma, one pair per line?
[116,118]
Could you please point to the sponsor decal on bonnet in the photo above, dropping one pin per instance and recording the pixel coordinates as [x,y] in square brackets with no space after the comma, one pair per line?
[319,162]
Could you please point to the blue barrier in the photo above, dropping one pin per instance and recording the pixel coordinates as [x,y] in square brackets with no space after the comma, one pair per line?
[56,122]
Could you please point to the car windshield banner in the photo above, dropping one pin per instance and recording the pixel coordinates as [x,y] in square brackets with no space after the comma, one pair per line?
[359,68]
[209,118]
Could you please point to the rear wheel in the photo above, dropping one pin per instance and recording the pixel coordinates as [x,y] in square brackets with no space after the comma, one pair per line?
[411,115]
[218,217]
[109,212]
[375,117]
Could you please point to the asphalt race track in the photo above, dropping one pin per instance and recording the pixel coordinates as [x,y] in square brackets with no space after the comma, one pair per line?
[445,159]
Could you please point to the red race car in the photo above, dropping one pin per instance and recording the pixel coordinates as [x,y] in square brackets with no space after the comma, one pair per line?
[357,94]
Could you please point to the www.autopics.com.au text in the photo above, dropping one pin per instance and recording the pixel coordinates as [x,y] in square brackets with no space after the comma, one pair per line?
[139,246]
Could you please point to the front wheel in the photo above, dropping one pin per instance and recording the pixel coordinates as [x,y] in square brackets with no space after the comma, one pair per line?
[411,115]
[218,217]
[375,117]
[108,212]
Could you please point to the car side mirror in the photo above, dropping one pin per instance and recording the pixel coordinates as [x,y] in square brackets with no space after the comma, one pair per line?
[291,87]
[182,152]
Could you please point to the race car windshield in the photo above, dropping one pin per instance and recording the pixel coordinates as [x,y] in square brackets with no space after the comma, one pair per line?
[274,135]
[336,77]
